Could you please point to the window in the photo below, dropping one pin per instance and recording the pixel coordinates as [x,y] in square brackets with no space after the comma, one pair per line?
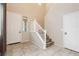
[24,22]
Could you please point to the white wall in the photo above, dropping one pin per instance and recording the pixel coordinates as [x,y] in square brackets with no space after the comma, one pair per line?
[14,26]
[54,19]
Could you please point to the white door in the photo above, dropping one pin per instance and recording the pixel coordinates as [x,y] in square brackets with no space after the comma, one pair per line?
[71,31]
[13,27]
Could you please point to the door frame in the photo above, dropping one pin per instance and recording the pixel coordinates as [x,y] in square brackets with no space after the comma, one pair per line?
[3,31]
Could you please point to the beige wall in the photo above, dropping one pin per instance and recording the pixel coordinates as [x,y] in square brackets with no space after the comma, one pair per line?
[54,19]
[31,10]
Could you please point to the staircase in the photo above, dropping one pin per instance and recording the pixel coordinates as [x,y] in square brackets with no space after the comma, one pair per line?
[49,41]
[40,38]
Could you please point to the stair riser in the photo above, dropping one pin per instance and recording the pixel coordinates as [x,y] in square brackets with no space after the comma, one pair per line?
[48,41]
[48,45]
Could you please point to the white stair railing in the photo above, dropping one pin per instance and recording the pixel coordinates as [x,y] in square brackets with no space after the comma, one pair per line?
[40,30]
[41,33]
[38,34]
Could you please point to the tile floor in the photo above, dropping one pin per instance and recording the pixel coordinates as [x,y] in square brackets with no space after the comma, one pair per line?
[29,49]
